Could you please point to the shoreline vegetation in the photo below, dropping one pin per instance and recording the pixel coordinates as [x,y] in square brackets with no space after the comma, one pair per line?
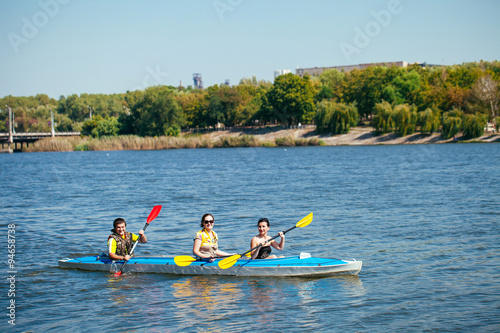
[246,137]
[374,105]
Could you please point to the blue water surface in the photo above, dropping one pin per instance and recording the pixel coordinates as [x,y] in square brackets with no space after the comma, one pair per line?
[424,219]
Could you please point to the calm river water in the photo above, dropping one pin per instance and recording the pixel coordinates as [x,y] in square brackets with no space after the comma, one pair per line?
[424,219]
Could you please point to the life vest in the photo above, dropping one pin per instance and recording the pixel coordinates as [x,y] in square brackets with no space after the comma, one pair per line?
[123,246]
[209,242]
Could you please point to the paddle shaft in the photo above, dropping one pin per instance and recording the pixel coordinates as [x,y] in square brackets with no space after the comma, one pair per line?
[133,247]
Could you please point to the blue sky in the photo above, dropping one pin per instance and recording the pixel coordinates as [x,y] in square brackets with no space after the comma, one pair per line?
[63,47]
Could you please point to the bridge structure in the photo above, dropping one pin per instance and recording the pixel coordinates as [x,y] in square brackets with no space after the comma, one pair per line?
[13,138]
[18,140]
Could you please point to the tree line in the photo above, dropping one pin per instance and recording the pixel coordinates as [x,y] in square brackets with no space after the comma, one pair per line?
[450,99]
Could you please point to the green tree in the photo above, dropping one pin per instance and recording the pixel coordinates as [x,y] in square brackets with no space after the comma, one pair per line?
[98,127]
[344,117]
[323,117]
[107,127]
[291,98]
[251,95]
[384,118]
[74,107]
[266,113]
[64,124]
[335,118]
[223,103]
[392,95]
[405,119]
[429,120]
[330,86]
[89,125]
[452,122]
[193,104]
[365,88]
[473,125]
[156,113]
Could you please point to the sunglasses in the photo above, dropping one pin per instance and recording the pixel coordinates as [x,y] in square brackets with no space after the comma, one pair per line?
[208,221]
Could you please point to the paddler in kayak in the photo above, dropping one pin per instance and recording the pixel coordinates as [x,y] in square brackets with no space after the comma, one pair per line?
[206,242]
[264,252]
[120,242]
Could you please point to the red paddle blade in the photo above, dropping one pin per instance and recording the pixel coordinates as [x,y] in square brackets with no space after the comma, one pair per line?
[154,213]
[118,273]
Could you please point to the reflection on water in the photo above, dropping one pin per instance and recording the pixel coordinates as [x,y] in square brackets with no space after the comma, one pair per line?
[211,299]
[264,296]
[353,285]
[198,299]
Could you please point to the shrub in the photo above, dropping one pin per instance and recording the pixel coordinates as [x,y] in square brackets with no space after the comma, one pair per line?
[335,118]
[428,120]
[384,118]
[473,125]
[452,122]
[405,119]
[285,141]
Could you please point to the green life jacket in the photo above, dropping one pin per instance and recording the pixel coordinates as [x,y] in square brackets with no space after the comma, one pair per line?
[123,246]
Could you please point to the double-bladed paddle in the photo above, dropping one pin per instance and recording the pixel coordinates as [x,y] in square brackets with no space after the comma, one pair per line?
[154,213]
[184,260]
[187,260]
[230,261]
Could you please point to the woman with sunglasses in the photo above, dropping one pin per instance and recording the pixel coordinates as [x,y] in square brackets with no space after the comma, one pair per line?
[206,240]
[264,252]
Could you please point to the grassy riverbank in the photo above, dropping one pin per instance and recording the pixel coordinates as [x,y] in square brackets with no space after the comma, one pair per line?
[256,137]
[164,142]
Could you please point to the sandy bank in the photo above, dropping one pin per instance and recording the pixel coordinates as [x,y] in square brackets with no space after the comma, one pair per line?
[357,136]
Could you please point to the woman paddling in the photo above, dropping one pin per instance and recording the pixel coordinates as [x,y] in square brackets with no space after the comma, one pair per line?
[206,243]
[264,252]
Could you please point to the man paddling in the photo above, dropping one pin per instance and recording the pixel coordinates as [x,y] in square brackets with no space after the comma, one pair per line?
[120,242]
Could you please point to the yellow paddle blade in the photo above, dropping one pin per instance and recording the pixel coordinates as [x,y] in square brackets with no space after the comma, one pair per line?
[305,221]
[229,261]
[184,260]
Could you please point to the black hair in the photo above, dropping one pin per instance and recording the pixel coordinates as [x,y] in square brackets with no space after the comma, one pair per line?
[264,219]
[203,219]
[118,221]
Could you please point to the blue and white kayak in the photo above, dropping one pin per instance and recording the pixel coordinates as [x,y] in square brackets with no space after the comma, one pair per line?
[301,265]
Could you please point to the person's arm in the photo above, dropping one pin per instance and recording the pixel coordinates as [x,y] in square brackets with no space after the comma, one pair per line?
[196,249]
[254,243]
[142,237]
[114,256]
[112,250]
[281,245]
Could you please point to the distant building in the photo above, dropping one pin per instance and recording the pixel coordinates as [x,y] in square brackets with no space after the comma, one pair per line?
[198,83]
[281,72]
[316,71]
